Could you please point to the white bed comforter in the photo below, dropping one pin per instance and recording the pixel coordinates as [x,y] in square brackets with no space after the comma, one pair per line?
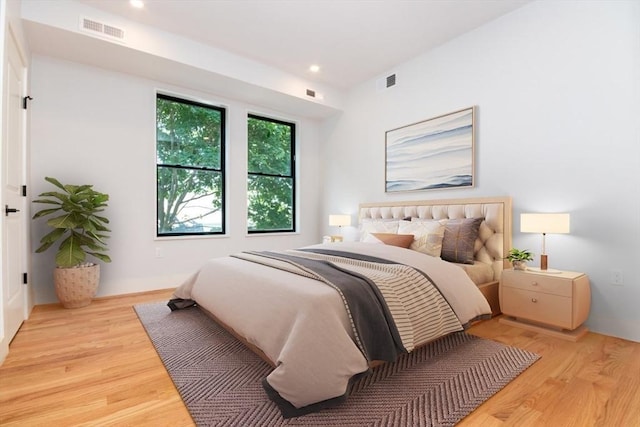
[301,324]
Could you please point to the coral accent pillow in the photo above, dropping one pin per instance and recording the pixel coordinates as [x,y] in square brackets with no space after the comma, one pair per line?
[401,240]
[459,239]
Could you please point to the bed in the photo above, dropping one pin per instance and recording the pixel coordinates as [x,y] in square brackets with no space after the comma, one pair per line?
[490,247]
[299,311]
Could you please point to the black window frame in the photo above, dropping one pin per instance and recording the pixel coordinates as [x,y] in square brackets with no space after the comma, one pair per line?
[292,176]
[221,170]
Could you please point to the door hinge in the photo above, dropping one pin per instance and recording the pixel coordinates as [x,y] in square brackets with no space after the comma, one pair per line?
[24,278]
[24,191]
[24,101]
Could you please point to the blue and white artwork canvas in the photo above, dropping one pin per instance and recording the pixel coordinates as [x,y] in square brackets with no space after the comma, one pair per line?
[433,154]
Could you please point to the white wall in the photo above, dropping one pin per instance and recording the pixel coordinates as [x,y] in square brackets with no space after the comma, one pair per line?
[557,86]
[92,126]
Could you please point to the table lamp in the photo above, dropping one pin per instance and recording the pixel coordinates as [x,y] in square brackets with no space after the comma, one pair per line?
[545,223]
[339,220]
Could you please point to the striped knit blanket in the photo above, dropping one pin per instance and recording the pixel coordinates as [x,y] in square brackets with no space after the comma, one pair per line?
[393,308]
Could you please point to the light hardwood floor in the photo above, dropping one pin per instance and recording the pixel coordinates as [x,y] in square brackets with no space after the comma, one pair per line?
[96,366]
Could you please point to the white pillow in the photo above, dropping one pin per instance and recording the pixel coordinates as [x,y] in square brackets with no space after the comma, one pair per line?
[371,225]
[427,235]
[370,238]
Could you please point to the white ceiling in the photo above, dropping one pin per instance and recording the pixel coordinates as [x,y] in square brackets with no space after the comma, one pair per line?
[352,40]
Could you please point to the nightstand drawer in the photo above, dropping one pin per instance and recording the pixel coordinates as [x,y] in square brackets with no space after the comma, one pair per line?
[540,307]
[537,283]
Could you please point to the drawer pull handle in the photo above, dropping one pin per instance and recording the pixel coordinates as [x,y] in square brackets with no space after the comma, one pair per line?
[534,300]
[534,283]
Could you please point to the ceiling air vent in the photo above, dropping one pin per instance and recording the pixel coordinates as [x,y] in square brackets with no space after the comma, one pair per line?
[118,32]
[386,82]
[391,80]
[100,29]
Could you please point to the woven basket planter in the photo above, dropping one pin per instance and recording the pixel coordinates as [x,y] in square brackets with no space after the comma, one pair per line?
[76,286]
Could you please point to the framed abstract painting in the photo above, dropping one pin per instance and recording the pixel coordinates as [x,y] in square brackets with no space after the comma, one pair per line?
[436,153]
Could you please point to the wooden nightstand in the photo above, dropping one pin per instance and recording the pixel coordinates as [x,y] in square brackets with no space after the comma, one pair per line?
[554,304]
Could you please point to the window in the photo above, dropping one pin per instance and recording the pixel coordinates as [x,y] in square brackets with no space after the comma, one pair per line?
[190,167]
[271,180]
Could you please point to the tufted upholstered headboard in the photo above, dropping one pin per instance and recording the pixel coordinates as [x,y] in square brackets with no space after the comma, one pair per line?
[494,238]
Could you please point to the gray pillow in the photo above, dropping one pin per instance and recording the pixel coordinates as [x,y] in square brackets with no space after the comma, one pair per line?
[459,239]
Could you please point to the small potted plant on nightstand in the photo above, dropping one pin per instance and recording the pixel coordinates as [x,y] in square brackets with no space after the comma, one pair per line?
[82,231]
[519,258]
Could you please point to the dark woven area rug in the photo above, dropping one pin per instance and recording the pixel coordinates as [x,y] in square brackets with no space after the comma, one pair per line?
[219,379]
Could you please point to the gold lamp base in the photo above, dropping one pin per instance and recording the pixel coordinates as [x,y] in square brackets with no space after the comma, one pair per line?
[336,239]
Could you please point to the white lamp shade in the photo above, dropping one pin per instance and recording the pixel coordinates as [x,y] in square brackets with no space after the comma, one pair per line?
[339,220]
[548,223]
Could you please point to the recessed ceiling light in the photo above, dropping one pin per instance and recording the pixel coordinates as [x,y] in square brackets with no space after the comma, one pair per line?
[314,68]
[138,4]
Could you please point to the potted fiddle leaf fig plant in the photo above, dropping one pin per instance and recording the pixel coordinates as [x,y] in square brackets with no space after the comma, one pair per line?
[81,231]
[519,258]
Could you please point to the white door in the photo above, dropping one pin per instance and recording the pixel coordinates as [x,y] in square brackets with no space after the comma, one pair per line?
[13,208]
